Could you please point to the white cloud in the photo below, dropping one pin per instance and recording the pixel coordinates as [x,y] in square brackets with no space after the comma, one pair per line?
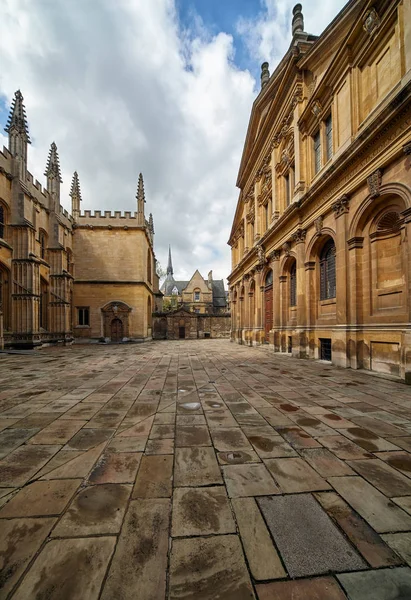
[122,88]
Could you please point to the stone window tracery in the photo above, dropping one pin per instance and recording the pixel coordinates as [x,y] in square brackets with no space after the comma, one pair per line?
[327,271]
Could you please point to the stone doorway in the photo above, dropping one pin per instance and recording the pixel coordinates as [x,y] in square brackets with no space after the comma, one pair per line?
[116,321]
[181,332]
[116,330]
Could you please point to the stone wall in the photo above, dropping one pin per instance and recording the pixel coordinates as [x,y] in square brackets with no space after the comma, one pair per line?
[182,324]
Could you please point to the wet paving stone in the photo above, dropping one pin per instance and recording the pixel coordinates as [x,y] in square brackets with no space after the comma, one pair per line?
[309,542]
[196,466]
[154,479]
[386,584]
[249,480]
[41,498]
[68,569]
[138,569]
[364,538]
[201,511]
[97,509]
[320,588]
[196,565]
[330,448]
[20,539]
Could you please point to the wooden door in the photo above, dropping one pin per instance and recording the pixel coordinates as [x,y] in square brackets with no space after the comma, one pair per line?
[116,330]
[268,313]
[181,332]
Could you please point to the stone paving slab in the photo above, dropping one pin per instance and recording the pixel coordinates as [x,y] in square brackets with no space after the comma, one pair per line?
[308,541]
[175,469]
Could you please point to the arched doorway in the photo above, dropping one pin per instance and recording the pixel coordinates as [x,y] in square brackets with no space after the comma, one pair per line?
[116,330]
[268,304]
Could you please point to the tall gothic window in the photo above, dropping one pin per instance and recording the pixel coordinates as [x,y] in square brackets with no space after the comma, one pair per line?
[293,285]
[43,245]
[149,265]
[327,271]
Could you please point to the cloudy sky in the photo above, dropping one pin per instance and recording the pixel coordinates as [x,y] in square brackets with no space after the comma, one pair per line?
[164,87]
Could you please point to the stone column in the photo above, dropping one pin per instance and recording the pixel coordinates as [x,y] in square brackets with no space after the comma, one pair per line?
[339,347]
[274,259]
[259,291]
[354,278]
[311,299]
[302,342]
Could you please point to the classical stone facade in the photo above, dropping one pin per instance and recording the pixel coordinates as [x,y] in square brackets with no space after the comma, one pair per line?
[320,240]
[85,275]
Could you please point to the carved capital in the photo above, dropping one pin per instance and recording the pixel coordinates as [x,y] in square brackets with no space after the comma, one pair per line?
[259,268]
[309,266]
[274,255]
[299,236]
[371,22]
[260,254]
[374,183]
[287,248]
[341,206]
[318,223]
[317,109]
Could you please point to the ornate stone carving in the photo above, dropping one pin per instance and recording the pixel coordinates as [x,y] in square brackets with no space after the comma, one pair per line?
[374,183]
[371,22]
[250,217]
[274,255]
[317,109]
[299,236]
[287,248]
[341,206]
[319,225]
[261,254]
[407,148]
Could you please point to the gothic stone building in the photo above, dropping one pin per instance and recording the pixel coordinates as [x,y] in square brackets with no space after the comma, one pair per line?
[320,240]
[85,275]
[192,309]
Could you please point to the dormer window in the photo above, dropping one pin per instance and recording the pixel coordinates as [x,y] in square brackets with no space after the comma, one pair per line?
[174,291]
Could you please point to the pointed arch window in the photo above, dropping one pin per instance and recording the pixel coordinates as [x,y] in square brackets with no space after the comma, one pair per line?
[328,287]
[43,245]
[293,285]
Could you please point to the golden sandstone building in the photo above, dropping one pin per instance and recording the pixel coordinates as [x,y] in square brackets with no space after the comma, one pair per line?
[321,257]
[86,275]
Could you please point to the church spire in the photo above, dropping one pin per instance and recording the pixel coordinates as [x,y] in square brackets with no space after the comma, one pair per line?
[140,200]
[53,175]
[18,131]
[170,264]
[75,194]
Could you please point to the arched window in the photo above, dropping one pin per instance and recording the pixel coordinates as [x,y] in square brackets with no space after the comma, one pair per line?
[69,261]
[196,295]
[293,284]
[2,221]
[327,271]
[269,278]
[43,245]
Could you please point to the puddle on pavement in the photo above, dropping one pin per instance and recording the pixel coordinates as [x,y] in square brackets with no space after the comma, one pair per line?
[190,405]
[234,457]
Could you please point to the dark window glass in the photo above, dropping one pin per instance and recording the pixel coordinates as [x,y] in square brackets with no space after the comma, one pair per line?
[83,316]
[329,137]
[269,278]
[327,272]
[42,245]
[293,285]
[325,349]
[287,189]
[317,151]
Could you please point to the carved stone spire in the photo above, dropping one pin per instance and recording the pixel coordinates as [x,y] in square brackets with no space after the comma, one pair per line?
[18,131]
[75,194]
[298,20]
[140,200]
[265,74]
[53,175]
[151,224]
[170,264]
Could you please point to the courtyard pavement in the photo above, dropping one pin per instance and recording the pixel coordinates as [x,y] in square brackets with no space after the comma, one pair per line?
[201,470]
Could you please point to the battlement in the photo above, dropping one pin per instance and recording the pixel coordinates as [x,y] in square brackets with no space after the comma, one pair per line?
[36,184]
[107,214]
[66,214]
[6,153]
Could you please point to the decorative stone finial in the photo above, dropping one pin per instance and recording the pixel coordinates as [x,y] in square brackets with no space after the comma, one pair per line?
[53,164]
[140,189]
[298,20]
[151,223]
[265,74]
[75,191]
[17,121]
[170,264]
